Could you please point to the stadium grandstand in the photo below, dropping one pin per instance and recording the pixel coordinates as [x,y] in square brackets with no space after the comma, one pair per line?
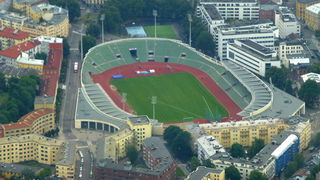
[94,106]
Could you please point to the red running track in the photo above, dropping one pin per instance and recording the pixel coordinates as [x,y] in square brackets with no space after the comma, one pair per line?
[129,70]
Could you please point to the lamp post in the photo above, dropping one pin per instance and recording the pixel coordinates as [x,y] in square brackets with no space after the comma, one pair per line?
[154,102]
[190,21]
[102,27]
[155,14]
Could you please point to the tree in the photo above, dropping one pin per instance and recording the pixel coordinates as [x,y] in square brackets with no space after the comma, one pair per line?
[288,87]
[317,34]
[74,9]
[237,150]
[93,30]
[132,153]
[278,76]
[170,133]
[207,163]
[66,48]
[181,146]
[309,92]
[205,43]
[232,173]
[42,56]
[257,145]
[299,159]
[28,174]
[3,83]
[315,68]
[88,42]
[315,140]
[44,173]
[257,175]
[194,163]
[290,169]
[112,18]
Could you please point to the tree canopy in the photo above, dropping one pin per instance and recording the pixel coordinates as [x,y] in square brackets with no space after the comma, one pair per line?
[94,30]
[132,153]
[278,76]
[73,7]
[237,150]
[179,142]
[88,42]
[232,173]
[17,97]
[66,48]
[194,163]
[309,92]
[257,175]
[256,146]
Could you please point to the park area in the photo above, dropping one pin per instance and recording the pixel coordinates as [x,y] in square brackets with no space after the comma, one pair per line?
[163,31]
[180,97]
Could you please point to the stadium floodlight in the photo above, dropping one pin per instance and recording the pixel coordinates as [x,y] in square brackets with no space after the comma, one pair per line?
[124,100]
[154,102]
[102,18]
[155,14]
[190,21]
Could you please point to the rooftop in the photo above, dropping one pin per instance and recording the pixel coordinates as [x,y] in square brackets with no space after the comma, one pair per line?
[28,1]
[314,8]
[28,119]
[226,1]
[17,71]
[44,100]
[69,154]
[14,51]
[13,34]
[31,138]
[17,168]
[257,47]
[311,76]
[210,145]
[139,119]
[212,11]
[307,1]
[53,14]
[235,124]
[201,172]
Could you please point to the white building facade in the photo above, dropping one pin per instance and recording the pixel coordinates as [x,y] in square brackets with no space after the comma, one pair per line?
[208,146]
[252,56]
[209,16]
[287,22]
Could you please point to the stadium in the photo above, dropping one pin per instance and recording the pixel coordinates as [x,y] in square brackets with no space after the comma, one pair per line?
[113,71]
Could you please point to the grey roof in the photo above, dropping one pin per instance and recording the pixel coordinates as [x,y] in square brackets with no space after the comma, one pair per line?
[284,105]
[17,71]
[308,1]
[256,46]
[17,168]
[212,11]
[160,152]
[201,171]
[86,111]
[261,93]
[69,154]
[44,100]
[59,14]
[294,120]
[28,1]
[139,119]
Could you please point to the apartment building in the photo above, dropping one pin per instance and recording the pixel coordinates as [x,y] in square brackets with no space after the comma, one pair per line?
[160,164]
[114,146]
[301,6]
[312,17]
[24,5]
[39,121]
[207,146]
[235,9]
[210,16]
[303,127]
[252,56]
[244,132]
[30,147]
[287,23]
[141,127]
[11,37]
[204,173]
[65,168]
[292,52]
[94,3]
[262,32]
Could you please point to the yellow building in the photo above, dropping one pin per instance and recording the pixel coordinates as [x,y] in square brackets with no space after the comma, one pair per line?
[204,173]
[312,16]
[66,167]
[30,147]
[39,122]
[114,146]
[44,102]
[141,127]
[301,6]
[11,37]
[95,3]
[23,5]
[304,130]
[244,132]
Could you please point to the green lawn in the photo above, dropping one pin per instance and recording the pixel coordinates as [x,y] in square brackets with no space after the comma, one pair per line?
[179,96]
[166,31]
[179,172]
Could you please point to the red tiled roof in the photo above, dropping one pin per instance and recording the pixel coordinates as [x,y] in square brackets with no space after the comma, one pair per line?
[13,34]
[51,71]
[27,120]
[14,51]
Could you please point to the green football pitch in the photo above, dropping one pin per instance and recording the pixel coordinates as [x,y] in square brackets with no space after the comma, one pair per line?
[180,96]
[166,31]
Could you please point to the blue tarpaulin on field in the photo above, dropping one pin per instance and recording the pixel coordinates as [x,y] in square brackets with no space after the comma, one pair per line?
[117,76]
